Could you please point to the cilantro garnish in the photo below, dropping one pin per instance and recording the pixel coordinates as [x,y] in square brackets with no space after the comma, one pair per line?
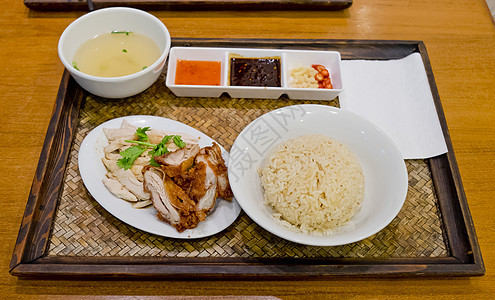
[154,163]
[121,32]
[178,141]
[132,153]
[159,149]
[129,155]
[123,50]
[141,133]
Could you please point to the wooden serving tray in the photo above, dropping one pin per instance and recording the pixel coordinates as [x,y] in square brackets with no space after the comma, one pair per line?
[64,232]
[190,4]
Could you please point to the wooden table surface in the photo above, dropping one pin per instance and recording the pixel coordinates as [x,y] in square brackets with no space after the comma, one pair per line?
[460,39]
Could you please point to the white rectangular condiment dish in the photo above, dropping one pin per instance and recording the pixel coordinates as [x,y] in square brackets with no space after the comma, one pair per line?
[289,59]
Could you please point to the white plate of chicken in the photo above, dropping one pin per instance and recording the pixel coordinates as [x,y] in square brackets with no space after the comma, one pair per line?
[159,175]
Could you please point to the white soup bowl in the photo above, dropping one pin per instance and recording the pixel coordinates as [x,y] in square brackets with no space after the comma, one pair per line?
[104,21]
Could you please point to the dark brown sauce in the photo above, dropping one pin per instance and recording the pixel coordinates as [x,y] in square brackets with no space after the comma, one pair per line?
[255,72]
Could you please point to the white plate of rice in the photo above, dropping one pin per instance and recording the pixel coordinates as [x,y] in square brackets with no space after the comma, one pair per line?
[317,175]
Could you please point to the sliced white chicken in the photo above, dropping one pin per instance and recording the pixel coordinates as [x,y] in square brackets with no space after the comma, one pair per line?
[116,145]
[126,124]
[113,156]
[116,188]
[139,164]
[142,204]
[119,133]
[127,179]
[157,136]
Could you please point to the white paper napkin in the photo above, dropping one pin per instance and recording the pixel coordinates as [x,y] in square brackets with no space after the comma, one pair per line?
[396,96]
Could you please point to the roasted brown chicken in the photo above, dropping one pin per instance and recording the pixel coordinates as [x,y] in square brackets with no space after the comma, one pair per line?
[186,185]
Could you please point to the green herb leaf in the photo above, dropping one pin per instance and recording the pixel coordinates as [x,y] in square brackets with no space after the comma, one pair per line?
[141,143]
[161,149]
[166,139]
[178,141]
[144,67]
[141,133]
[158,150]
[121,32]
[129,155]
[154,163]
[132,153]
[123,50]
[74,64]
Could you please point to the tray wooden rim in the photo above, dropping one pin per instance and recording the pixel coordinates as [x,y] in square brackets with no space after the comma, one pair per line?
[237,5]
[29,257]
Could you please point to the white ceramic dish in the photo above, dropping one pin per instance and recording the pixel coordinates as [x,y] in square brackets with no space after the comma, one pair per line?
[103,21]
[386,179]
[93,171]
[289,60]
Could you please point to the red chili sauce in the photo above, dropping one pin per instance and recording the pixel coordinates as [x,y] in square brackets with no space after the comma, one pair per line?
[195,72]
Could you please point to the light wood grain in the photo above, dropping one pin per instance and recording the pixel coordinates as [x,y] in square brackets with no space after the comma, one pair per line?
[460,39]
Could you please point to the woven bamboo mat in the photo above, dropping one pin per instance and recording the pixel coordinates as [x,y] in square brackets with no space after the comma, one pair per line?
[83,228]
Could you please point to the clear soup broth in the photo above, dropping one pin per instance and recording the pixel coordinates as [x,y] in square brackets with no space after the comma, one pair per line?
[114,54]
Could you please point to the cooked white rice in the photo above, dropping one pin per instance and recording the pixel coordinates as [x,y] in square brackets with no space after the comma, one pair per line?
[313,183]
